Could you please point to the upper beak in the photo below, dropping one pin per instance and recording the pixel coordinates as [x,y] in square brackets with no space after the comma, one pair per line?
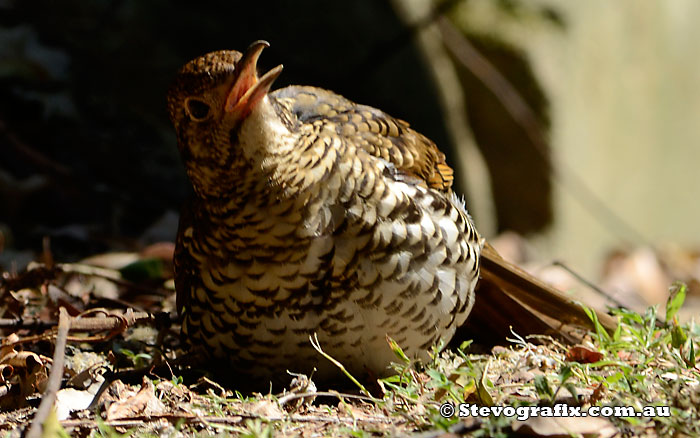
[248,89]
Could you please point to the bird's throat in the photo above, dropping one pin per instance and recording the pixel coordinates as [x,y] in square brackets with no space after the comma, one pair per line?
[264,139]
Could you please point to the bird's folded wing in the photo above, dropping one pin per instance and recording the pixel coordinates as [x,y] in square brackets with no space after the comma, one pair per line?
[377,133]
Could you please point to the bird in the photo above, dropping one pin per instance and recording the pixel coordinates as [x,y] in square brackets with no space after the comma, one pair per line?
[314,216]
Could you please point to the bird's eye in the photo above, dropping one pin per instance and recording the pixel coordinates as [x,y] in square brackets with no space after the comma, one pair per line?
[196,109]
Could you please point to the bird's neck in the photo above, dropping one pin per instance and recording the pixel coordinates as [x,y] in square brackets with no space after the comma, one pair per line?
[271,145]
[263,136]
[266,148]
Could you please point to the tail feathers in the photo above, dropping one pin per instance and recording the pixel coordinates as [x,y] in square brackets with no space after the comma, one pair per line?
[508,297]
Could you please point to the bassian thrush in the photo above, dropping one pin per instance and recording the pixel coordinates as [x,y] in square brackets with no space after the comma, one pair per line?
[316,215]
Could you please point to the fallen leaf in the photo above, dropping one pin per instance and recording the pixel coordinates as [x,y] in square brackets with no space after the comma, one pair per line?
[266,408]
[565,427]
[70,399]
[144,402]
[597,394]
[581,354]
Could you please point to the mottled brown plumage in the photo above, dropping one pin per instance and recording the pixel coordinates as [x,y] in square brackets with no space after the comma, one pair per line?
[312,214]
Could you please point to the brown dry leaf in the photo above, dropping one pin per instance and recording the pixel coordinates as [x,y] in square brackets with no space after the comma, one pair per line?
[24,371]
[173,394]
[581,354]
[60,298]
[26,360]
[267,408]
[144,402]
[88,288]
[597,394]
[565,427]
[116,391]
[6,371]
[8,344]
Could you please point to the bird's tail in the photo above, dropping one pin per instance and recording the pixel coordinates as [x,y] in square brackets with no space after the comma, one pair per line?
[508,298]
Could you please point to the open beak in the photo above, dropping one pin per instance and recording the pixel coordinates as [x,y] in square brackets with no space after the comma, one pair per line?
[248,89]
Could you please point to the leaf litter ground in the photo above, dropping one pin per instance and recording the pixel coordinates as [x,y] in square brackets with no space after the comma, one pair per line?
[122,375]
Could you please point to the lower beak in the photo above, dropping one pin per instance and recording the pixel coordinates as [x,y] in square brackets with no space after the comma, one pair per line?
[248,89]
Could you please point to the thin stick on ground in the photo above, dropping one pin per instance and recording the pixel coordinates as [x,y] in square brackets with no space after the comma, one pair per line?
[112,321]
[54,382]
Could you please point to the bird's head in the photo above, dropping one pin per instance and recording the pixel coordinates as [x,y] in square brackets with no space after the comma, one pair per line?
[208,102]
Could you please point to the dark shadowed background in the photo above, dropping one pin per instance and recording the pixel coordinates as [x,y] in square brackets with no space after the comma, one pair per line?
[585,115]
[87,154]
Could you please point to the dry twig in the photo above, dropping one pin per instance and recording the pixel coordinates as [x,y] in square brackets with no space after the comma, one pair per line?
[54,382]
[113,322]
